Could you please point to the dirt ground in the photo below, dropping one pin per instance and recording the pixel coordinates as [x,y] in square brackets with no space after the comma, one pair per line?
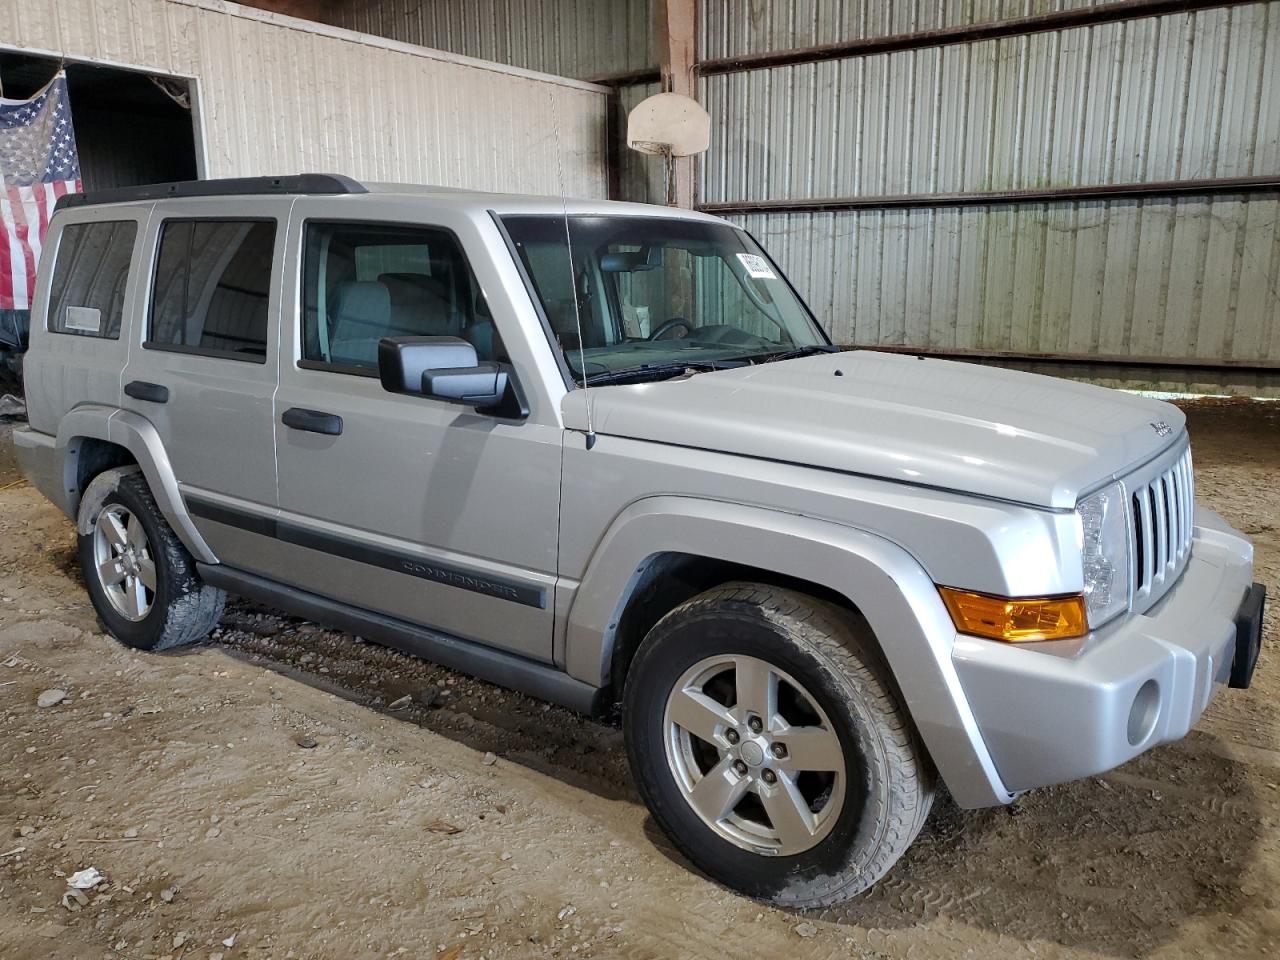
[263,788]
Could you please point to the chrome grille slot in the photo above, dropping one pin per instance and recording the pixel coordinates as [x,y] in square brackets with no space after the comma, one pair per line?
[1138,536]
[1161,523]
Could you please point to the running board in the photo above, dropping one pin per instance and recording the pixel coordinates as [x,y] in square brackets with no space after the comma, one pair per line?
[496,666]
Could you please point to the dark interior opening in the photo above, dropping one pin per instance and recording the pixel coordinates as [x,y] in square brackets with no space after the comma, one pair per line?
[129,127]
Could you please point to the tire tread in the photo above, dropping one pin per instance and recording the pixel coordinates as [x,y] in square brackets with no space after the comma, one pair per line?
[195,607]
[836,638]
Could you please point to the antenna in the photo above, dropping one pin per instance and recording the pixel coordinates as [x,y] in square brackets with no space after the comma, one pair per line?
[573,281]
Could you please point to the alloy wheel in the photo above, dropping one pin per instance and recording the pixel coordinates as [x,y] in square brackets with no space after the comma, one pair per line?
[123,561]
[755,755]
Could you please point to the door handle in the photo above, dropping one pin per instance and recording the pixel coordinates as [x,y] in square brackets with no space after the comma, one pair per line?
[313,421]
[152,392]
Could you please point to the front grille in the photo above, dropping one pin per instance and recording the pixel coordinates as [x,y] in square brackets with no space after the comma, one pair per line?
[1162,514]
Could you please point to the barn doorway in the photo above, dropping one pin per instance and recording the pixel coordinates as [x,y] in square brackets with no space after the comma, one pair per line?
[131,128]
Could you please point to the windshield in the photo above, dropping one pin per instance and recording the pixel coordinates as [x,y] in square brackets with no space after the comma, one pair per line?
[656,295]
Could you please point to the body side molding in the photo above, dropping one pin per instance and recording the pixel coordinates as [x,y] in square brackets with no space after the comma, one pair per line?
[448,574]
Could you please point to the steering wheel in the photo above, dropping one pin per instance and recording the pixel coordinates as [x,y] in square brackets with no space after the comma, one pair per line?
[670,325]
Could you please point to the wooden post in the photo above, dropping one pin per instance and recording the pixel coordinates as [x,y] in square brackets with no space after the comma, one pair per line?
[675,25]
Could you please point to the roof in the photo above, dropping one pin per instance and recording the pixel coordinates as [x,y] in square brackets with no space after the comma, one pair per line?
[324,184]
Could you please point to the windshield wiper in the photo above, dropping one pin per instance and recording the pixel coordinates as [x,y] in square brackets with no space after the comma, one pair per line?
[798,352]
[657,370]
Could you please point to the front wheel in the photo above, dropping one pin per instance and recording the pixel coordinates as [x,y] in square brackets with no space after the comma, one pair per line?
[768,743]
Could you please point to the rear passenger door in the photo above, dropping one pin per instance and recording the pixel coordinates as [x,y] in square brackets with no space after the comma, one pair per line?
[203,365]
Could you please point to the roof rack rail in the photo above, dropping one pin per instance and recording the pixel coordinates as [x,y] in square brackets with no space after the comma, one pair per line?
[319,183]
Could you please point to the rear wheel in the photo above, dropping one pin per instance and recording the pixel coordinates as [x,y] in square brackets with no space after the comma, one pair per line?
[141,579]
[766,738]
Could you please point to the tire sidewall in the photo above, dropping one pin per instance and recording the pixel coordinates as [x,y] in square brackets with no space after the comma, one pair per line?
[741,628]
[147,633]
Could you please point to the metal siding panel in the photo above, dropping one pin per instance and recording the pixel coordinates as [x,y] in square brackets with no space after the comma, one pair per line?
[1052,278]
[730,28]
[1181,96]
[279,97]
[1242,94]
[1267,151]
[918,277]
[1151,270]
[1255,290]
[181,37]
[575,38]
[1028,276]
[1173,59]
[1221,270]
[971,239]
[50,26]
[1128,101]
[1123,233]
[1060,269]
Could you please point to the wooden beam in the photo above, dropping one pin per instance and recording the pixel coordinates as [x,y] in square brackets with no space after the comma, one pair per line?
[675,26]
[318,11]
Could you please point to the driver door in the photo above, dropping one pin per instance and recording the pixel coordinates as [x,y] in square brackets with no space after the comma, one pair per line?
[409,506]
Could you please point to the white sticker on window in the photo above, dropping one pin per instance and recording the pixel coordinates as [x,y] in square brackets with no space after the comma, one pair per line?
[757,267]
[88,319]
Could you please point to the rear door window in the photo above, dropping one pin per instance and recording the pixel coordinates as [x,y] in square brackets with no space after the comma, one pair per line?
[212,288]
[86,297]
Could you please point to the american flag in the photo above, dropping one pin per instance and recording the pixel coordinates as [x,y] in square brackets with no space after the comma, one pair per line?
[39,164]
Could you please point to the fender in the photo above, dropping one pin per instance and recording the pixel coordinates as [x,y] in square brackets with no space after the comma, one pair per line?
[139,436]
[881,579]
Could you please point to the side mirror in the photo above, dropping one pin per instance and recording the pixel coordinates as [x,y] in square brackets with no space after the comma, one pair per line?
[446,368]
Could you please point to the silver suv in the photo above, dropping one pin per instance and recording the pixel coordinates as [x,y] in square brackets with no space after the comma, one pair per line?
[602,453]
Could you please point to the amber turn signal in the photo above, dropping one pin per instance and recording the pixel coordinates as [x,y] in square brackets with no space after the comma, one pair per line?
[1016,621]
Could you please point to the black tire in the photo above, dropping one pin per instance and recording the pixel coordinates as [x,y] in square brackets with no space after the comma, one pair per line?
[184,609]
[890,780]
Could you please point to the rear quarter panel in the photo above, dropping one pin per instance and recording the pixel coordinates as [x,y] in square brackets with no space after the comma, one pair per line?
[62,371]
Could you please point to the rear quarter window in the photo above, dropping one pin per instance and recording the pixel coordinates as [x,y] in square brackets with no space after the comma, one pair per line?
[86,297]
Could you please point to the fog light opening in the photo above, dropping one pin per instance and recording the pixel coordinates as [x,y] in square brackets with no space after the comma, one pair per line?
[1143,713]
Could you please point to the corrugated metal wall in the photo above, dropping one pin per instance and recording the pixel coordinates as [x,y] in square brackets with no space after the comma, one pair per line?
[1180,97]
[573,38]
[729,28]
[279,96]
[1164,98]
[1190,277]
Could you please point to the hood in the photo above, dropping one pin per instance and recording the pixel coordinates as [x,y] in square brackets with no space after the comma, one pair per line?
[956,426]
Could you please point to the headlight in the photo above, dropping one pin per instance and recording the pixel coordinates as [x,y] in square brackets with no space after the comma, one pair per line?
[1104,554]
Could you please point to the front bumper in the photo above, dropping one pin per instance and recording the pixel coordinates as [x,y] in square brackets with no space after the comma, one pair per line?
[1061,711]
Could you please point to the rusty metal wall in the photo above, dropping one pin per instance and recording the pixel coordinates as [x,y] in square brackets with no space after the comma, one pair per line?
[572,38]
[1187,96]
[279,95]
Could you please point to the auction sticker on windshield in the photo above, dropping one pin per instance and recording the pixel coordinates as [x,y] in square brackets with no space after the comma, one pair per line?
[757,267]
